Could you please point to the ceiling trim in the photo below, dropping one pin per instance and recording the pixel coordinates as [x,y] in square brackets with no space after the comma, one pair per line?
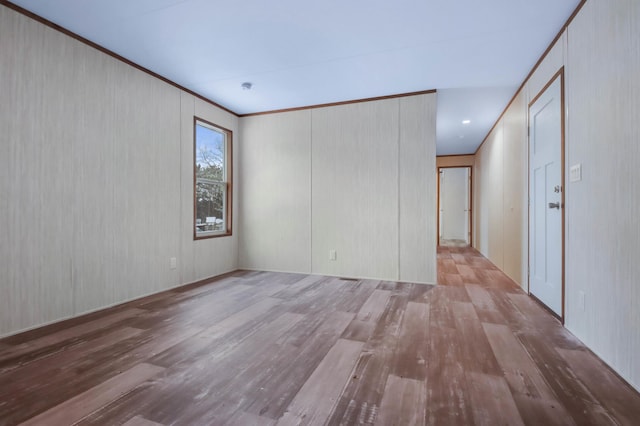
[104,50]
[354,101]
[535,67]
[454,155]
[116,56]
[120,58]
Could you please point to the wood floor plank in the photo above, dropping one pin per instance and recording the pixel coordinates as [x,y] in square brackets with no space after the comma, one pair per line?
[459,259]
[492,402]
[185,392]
[300,286]
[412,350]
[467,273]
[535,316]
[141,421]
[514,318]
[202,308]
[19,379]
[274,279]
[292,366]
[484,305]
[240,318]
[448,266]
[196,295]
[363,325]
[248,419]
[404,402]
[606,387]
[374,306]
[87,372]
[448,402]
[577,399]
[536,411]
[520,371]
[217,373]
[420,292]
[49,341]
[235,326]
[476,352]
[89,401]
[498,279]
[355,295]
[533,397]
[246,348]
[452,279]
[530,308]
[362,395]
[314,402]
[440,308]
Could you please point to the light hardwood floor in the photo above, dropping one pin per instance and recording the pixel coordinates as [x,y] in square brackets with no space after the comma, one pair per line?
[260,348]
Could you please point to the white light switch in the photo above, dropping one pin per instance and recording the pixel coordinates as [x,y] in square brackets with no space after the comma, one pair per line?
[332,255]
[173,263]
[575,173]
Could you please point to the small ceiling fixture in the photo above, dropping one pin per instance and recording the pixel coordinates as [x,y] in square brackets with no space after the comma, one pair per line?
[246,85]
[466,121]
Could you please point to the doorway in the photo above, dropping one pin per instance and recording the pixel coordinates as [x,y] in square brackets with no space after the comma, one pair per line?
[546,195]
[454,206]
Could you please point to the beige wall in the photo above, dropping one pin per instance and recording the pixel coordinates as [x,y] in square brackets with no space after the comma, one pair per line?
[500,193]
[357,178]
[501,169]
[603,232]
[601,56]
[275,192]
[95,180]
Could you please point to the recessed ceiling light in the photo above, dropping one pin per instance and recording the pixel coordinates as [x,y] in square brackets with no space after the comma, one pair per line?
[246,85]
[466,121]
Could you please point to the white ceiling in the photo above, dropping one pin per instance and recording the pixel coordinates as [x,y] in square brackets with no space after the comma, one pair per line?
[300,53]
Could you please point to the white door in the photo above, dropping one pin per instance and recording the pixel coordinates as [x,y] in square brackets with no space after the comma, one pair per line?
[546,198]
[454,204]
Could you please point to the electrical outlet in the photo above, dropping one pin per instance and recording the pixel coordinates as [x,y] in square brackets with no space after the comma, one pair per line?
[173,263]
[332,255]
[575,173]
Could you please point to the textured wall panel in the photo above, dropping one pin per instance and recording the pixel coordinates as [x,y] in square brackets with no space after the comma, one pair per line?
[546,69]
[124,163]
[36,184]
[345,178]
[515,191]
[417,189]
[97,196]
[603,245]
[490,199]
[355,189]
[275,215]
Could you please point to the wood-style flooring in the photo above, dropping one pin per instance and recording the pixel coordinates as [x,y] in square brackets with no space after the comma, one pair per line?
[261,348]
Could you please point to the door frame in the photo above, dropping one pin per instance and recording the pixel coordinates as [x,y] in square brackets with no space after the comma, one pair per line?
[470,201]
[558,75]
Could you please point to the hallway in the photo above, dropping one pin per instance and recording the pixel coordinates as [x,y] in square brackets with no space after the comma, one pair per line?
[505,357]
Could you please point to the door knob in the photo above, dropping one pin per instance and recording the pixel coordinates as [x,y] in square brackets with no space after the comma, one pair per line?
[554,205]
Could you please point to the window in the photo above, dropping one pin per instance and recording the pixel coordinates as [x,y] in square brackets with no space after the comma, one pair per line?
[212,173]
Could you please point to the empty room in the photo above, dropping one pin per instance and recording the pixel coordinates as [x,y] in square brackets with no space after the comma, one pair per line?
[319,213]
